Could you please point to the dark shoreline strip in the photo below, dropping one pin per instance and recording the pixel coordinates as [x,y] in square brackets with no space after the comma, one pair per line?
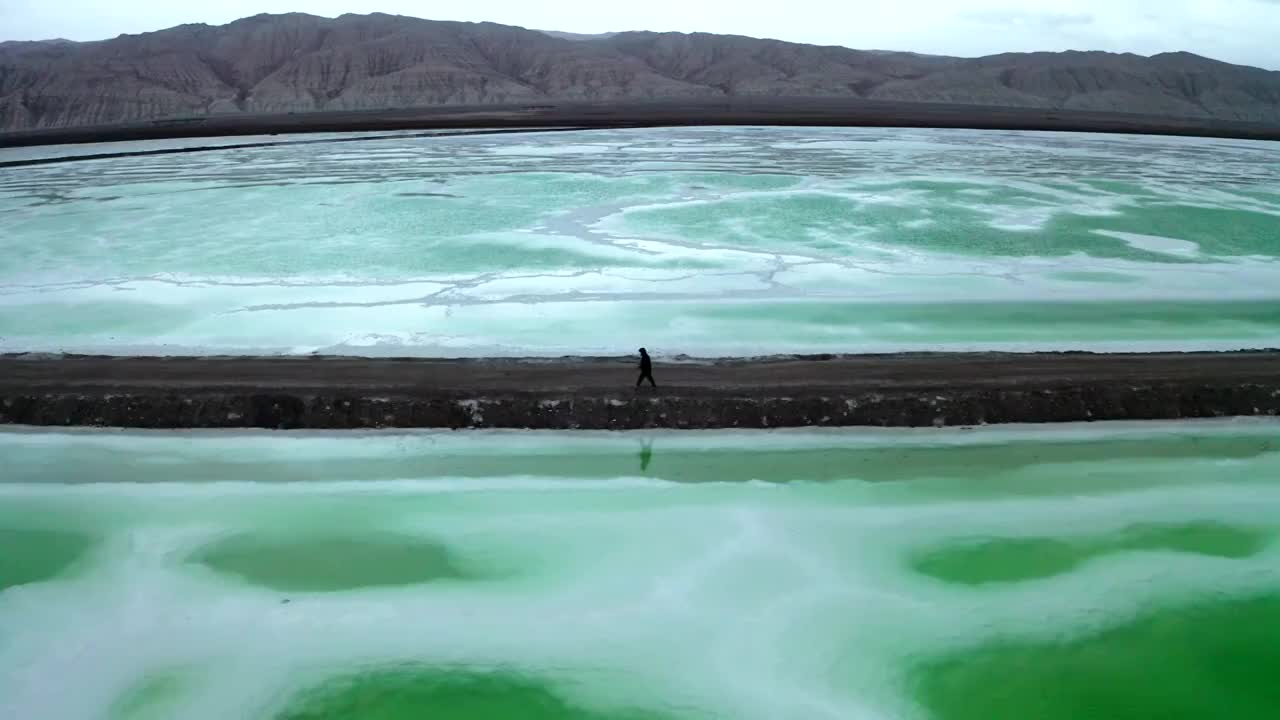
[572,393]
[265,143]
[782,111]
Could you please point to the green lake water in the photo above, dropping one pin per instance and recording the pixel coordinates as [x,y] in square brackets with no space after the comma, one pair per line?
[1108,570]
[696,241]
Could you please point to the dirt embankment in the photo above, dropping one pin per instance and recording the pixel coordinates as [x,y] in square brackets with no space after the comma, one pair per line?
[778,111]
[597,393]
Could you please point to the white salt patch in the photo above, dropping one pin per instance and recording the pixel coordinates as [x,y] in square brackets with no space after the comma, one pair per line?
[551,150]
[1154,243]
[855,145]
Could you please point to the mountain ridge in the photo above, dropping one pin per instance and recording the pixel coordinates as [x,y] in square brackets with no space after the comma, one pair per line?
[296,62]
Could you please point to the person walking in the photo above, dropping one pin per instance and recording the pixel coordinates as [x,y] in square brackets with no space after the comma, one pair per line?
[646,369]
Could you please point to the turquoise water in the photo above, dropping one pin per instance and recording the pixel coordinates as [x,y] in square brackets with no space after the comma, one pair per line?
[705,241]
[1107,570]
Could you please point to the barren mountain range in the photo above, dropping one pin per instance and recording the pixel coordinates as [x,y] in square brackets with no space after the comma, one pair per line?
[300,63]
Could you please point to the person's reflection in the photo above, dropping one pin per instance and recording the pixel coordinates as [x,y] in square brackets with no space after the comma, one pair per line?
[646,454]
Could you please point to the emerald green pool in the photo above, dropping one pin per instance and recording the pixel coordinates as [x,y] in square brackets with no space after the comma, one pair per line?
[1081,571]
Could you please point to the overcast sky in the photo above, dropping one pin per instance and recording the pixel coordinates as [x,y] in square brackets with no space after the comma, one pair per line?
[1243,31]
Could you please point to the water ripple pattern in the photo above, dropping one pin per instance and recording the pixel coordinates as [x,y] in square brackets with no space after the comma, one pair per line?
[704,241]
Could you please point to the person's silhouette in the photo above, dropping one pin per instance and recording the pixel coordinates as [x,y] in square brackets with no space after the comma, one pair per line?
[646,369]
